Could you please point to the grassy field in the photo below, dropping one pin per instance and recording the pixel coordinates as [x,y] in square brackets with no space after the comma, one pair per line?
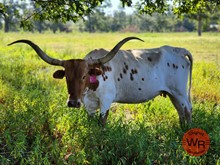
[36,127]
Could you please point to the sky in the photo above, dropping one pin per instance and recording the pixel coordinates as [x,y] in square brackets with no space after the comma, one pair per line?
[115,6]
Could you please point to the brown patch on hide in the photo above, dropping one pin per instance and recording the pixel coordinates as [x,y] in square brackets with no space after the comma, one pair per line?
[175,66]
[95,70]
[126,66]
[131,77]
[124,71]
[104,76]
[134,71]
[149,59]
[106,68]
[152,57]
[94,86]
[121,75]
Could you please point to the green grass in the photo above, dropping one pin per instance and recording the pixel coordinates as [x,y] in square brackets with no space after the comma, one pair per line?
[36,127]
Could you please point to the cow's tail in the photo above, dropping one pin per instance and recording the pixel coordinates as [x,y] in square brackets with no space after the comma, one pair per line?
[189,55]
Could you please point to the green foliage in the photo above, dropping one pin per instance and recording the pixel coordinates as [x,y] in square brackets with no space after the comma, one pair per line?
[68,10]
[36,127]
[64,10]
[209,75]
[195,6]
[150,7]
[2,9]
[198,10]
[56,11]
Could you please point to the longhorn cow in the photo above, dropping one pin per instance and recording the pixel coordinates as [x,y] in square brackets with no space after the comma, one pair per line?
[126,76]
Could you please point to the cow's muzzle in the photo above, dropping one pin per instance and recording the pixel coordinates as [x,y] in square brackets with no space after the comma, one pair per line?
[74,103]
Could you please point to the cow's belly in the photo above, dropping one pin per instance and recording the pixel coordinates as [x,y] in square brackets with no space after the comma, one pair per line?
[133,99]
[138,91]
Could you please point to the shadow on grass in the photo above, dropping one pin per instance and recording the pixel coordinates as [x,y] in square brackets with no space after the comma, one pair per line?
[37,128]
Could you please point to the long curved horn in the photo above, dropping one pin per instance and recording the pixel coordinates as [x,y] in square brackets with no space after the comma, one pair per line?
[40,52]
[114,51]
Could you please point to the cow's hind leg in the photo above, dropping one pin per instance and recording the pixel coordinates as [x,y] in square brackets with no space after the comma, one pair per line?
[183,107]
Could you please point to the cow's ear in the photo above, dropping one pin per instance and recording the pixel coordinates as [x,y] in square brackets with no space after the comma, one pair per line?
[95,71]
[59,74]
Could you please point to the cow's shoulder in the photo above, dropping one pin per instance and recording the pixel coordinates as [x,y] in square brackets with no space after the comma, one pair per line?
[96,53]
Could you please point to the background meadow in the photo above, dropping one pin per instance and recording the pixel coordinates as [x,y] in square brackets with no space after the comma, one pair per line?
[36,126]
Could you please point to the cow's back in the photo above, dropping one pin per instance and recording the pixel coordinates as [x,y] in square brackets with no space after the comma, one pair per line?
[139,75]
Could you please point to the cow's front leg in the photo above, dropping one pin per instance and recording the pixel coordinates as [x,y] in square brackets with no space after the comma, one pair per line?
[103,118]
[105,104]
[91,103]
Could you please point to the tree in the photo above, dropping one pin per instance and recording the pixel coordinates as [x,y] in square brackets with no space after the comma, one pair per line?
[69,10]
[119,21]
[96,20]
[60,10]
[10,12]
[196,9]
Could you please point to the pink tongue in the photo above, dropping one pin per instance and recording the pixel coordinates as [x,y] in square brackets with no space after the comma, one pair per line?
[92,79]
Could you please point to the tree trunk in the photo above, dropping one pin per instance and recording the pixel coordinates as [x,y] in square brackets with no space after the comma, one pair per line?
[199,25]
[90,24]
[6,18]
[7,24]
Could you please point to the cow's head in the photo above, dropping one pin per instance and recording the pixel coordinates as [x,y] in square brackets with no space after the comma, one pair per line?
[77,71]
[78,75]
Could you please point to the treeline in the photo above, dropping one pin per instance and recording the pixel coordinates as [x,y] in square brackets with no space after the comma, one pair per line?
[118,21]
